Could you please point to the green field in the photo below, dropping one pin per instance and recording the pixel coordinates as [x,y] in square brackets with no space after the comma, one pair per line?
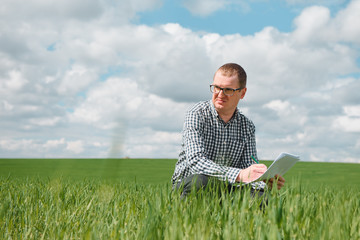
[133,199]
[155,171]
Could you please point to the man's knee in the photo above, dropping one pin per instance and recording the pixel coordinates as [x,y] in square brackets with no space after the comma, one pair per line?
[194,181]
[262,195]
[199,181]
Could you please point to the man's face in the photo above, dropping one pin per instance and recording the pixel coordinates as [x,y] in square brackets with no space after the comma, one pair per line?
[226,104]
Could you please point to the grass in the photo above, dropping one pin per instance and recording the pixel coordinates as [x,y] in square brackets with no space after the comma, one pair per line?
[156,171]
[152,171]
[68,199]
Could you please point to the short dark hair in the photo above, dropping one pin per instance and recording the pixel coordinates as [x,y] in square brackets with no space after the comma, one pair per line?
[230,69]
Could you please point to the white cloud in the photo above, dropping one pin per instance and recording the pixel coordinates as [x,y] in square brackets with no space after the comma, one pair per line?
[279,106]
[13,145]
[348,124]
[310,22]
[203,7]
[344,23]
[315,25]
[79,10]
[75,146]
[315,2]
[351,121]
[121,99]
[54,143]
[144,142]
[52,148]
[352,111]
[357,145]
[5,106]
[76,79]
[13,82]
[45,121]
[106,87]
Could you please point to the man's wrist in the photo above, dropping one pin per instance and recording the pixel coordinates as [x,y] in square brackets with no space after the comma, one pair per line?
[232,174]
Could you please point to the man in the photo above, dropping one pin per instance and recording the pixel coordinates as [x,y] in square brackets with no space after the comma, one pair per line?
[218,141]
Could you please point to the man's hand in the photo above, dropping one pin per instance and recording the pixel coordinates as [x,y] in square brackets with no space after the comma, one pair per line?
[277,179]
[251,173]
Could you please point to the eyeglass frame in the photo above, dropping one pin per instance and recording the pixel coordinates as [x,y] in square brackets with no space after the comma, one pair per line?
[222,89]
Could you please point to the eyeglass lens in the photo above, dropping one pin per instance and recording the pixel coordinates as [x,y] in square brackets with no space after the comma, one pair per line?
[226,91]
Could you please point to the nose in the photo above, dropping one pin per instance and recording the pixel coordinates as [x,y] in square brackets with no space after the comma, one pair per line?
[221,93]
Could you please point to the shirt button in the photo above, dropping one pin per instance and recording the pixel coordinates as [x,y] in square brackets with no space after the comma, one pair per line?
[224,142]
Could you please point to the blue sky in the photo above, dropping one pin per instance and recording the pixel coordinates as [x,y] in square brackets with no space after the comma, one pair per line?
[227,21]
[246,17]
[99,78]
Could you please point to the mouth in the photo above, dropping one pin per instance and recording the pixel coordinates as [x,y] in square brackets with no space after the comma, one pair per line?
[218,100]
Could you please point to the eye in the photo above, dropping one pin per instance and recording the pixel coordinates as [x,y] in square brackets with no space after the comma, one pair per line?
[228,90]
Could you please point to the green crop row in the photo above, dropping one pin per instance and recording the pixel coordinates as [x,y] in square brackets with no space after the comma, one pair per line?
[62,208]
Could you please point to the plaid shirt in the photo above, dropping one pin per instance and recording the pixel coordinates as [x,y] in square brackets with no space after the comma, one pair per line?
[215,148]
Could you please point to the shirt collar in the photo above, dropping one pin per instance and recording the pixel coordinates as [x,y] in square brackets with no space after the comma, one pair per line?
[212,108]
[215,113]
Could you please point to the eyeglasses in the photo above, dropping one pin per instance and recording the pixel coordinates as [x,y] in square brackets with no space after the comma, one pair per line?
[227,91]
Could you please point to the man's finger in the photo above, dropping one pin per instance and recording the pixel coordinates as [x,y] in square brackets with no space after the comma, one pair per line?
[259,168]
[280,181]
[279,178]
[260,165]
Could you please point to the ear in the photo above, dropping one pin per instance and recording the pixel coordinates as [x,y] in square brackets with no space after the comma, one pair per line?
[243,92]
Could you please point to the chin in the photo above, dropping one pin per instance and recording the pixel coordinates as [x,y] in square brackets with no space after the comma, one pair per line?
[219,106]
